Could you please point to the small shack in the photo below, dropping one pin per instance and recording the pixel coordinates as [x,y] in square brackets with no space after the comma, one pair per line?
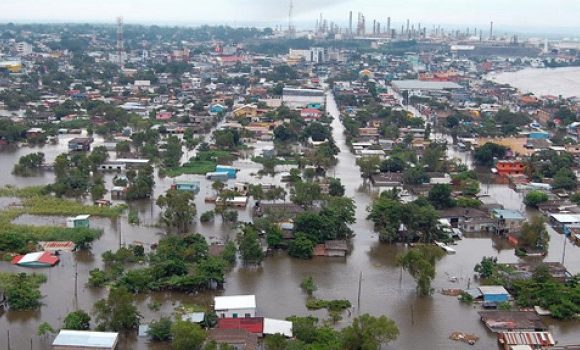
[217,176]
[85,340]
[533,340]
[494,294]
[509,321]
[79,221]
[82,144]
[332,248]
[188,186]
[230,170]
[235,306]
[274,326]
[37,259]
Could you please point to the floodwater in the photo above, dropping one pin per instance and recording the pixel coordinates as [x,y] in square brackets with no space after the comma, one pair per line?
[544,81]
[424,323]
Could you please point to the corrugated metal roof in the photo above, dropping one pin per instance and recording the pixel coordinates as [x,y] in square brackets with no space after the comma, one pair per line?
[86,339]
[493,290]
[251,324]
[273,326]
[235,302]
[528,338]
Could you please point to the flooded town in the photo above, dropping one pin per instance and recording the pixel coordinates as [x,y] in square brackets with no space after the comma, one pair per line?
[345,183]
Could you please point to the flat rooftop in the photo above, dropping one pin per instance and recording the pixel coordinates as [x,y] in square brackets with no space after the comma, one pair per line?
[425,85]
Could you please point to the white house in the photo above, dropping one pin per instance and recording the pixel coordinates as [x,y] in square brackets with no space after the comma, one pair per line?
[235,306]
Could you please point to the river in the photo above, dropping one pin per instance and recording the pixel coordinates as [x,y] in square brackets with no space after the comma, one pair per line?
[543,81]
[424,323]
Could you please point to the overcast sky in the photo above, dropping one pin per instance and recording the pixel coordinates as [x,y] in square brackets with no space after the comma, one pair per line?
[529,14]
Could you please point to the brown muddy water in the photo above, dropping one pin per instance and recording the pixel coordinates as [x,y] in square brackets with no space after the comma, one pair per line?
[424,323]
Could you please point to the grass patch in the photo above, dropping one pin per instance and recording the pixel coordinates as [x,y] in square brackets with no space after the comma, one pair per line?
[330,305]
[196,167]
[24,238]
[21,192]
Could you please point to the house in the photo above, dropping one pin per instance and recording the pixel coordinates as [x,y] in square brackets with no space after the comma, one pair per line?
[239,339]
[331,248]
[387,180]
[509,321]
[273,326]
[82,144]
[494,294]
[469,220]
[249,324]
[245,111]
[37,259]
[58,246]
[235,306]
[119,192]
[85,340]
[188,186]
[525,340]
[510,167]
[33,133]
[310,114]
[507,221]
[230,170]
[163,116]
[78,221]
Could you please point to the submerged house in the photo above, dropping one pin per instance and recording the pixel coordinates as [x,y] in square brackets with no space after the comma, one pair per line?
[37,259]
[85,340]
[81,221]
[82,144]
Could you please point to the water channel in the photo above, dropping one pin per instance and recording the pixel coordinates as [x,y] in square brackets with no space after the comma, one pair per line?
[424,323]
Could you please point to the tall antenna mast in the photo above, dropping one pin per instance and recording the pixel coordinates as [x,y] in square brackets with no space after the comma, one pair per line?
[120,46]
[291,28]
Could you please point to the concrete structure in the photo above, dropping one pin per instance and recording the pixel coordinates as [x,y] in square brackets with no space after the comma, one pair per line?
[189,186]
[85,340]
[78,221]
[80,144]
[510,167]
[299,98]
[507,221]
[420,85]
[235,306]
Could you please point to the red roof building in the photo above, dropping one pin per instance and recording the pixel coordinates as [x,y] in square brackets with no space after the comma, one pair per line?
[310,114]
[250,324]
[510,167]
[38,259]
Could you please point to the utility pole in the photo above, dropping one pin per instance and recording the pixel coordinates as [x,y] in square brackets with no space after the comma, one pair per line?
[359,291]
[76,301]
[120,44]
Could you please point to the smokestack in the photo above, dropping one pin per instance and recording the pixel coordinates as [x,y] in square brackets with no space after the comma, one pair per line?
[374,27]
[491,30]
[407,26]
[389,26]
[350,23]
[378,28]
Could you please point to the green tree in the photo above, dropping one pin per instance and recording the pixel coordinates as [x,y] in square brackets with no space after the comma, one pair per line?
[186,336]
[179,209]
[249,246]
[44,328]
[565,179]
[486,267]
[117,312]
[301,247]
[534,234]
[420,263]
[368,165]
[98,156]
[486,154]
[336,188]
[305,193]
[369,333]
[77,320]
[415,176]
[533,198]
[440,196]
[160,330]
[173,152]
[275,342]
[308,285]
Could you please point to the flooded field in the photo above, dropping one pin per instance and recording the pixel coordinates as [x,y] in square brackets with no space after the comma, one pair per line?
[424,323]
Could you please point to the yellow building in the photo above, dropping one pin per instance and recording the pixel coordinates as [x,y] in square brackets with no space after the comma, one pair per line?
[11,66]
[245,111]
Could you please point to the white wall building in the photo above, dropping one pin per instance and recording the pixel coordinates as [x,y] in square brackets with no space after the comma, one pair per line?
[235,306]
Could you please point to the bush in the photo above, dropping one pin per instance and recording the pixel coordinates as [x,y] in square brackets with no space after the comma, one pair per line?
[330,305]
[301,247]
[533,198]
[207,216]
[160,330]
[308,285]
[77,320]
